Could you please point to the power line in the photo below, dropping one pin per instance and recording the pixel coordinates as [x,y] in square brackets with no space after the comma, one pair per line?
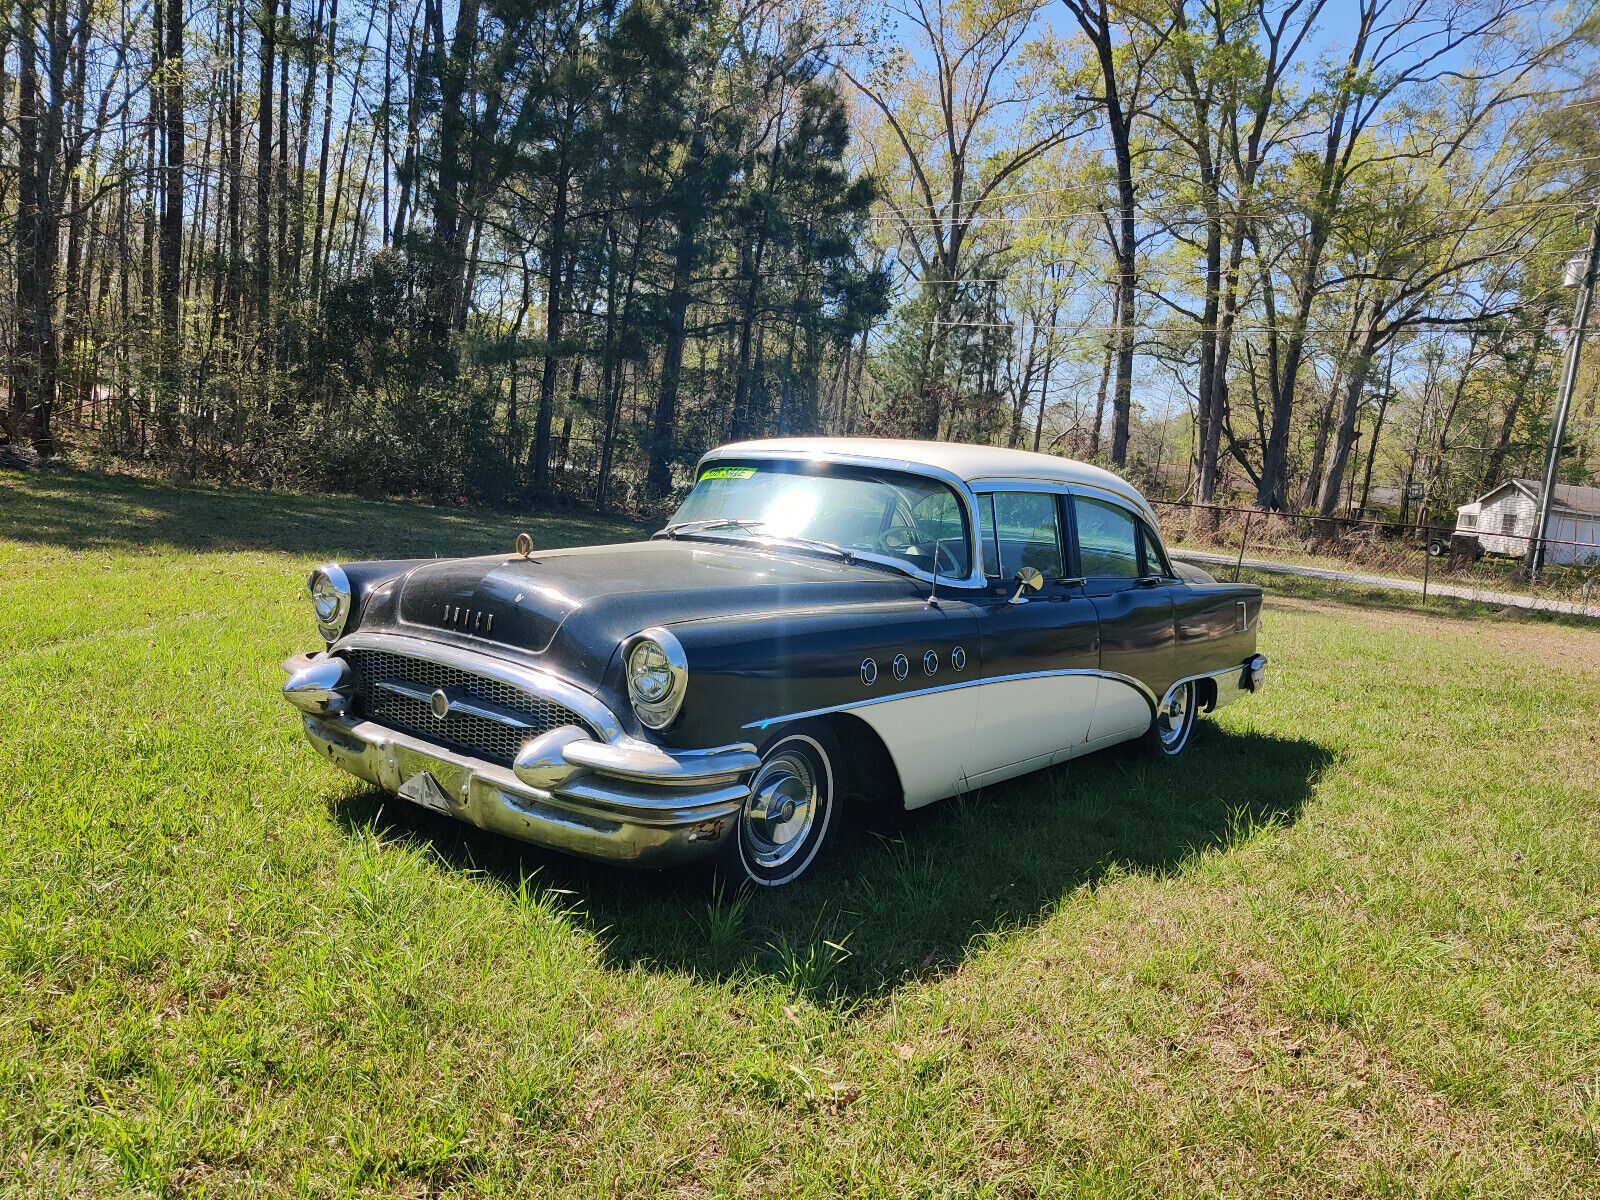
[1437,326]
[1185,210]
[1078,188]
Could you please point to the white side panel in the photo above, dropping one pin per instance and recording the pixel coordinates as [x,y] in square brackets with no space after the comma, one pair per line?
[1020,720]
[1120,712]
[1001,774]
[929,738]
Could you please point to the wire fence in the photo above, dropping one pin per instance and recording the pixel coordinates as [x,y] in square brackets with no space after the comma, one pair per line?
[1432,560]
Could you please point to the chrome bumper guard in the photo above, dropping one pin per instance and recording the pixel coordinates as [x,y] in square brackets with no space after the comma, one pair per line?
[1246,679]
[621,800]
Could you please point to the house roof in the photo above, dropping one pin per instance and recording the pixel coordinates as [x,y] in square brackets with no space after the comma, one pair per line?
[1573,497]
[969,463]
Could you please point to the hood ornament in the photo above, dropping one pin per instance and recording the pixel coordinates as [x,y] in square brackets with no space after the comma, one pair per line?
[524,545]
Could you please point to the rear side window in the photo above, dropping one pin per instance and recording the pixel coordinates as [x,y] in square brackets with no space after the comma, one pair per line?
[1108,540]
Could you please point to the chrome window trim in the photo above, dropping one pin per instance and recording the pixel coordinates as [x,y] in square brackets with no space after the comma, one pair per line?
[1066,536]
[1102,496]
[531,679]
[1141,511]
[1137,685]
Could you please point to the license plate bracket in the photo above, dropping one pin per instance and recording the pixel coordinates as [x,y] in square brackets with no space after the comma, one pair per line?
[423,789]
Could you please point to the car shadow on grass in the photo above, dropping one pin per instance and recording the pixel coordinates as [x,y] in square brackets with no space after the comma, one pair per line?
[889,908]
[81,510]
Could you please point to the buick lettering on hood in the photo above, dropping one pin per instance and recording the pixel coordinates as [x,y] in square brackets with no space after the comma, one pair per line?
[826,622]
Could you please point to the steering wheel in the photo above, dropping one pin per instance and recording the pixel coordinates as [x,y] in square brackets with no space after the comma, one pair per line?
[905,541]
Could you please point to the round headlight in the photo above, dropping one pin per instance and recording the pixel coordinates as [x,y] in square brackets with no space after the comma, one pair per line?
[330,600]
[658,676]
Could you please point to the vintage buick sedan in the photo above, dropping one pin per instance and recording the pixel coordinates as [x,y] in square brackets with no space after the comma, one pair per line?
[825,623]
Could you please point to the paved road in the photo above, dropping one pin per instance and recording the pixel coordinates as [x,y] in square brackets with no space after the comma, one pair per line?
[1503,599]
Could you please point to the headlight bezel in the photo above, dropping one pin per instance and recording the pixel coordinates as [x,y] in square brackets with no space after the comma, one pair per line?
[330,624]
[655,708]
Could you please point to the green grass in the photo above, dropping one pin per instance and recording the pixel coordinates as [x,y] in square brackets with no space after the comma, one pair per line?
[1348,945]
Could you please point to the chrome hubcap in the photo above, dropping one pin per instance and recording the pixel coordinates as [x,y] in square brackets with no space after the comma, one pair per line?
[781,810]
[1174,716]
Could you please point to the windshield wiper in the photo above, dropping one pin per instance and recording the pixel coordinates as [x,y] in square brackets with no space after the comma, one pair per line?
[816,544]
[750,525]
[707,525]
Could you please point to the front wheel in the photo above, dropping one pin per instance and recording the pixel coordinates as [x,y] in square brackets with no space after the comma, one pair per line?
[1174,722]
[789,819]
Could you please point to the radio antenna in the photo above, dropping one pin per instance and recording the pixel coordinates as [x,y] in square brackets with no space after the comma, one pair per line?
[933,592]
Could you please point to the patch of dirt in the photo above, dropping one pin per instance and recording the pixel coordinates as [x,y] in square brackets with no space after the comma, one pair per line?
[1558,644]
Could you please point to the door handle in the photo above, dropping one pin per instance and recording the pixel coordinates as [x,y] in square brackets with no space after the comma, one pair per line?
[1149,581]
[1072,581]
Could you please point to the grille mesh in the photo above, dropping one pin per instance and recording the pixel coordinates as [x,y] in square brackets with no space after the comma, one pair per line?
[480,737]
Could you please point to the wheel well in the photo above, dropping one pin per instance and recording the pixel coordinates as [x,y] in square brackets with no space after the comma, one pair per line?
[871,776]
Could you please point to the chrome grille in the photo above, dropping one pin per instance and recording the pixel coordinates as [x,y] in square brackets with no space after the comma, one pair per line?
[481,737]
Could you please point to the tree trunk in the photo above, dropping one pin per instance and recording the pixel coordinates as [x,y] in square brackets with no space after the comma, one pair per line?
[555,261]
[317,228]
[447,291]
[37,228]
[1105,372]
[170,41]
[1497,456]
[663,444]
[263,283]
[746,422]
[1344,436]
[658,478]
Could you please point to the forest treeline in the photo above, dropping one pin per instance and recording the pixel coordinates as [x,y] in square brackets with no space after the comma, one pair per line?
[1289,252]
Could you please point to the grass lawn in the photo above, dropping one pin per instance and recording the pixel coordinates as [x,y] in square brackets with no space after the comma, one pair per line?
[1347,945]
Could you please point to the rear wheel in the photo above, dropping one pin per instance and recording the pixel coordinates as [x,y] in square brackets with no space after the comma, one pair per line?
[789,819]
[1174,723]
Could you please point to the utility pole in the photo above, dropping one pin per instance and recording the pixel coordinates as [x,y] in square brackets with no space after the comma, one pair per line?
[1580,326]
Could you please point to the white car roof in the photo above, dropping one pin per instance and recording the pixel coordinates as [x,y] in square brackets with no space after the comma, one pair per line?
[971,464]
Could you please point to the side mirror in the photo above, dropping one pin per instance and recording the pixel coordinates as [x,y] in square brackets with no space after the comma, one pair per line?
[1028,580]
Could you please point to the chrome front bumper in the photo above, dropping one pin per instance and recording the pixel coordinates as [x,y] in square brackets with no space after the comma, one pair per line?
[622,800]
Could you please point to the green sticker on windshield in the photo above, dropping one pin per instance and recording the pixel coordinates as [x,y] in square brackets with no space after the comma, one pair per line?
[728,473]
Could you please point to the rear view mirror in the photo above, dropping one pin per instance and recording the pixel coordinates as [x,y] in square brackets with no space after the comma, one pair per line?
[1028,581]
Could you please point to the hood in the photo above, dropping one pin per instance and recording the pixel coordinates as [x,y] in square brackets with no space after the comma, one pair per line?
[573,607]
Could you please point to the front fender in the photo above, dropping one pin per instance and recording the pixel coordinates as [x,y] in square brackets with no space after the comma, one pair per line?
[749,675]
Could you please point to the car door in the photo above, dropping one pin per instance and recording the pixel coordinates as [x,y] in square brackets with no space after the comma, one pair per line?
[1134,607]
[1040,651]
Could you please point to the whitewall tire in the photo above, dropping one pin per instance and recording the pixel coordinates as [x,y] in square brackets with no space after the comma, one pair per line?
[789,820]
[1174,721]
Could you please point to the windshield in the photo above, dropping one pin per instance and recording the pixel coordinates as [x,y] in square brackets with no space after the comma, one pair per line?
[903,518]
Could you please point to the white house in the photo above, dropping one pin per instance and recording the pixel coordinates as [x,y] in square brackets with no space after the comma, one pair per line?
[1502,520]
